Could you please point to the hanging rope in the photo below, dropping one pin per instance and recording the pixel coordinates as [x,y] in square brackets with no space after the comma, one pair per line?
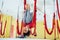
[44,27]
[1,8]
[57,5]
[1,11]
[55,21]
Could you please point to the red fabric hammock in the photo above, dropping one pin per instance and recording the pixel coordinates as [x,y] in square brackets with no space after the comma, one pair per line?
[19,32]
[58,15]
[32,24]
[45,24]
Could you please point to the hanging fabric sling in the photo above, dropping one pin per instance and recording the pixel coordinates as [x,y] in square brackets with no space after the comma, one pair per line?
[22,24]
[45,24]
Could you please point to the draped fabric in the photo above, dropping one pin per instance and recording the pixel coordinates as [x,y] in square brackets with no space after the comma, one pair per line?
[3,32]
[45,24]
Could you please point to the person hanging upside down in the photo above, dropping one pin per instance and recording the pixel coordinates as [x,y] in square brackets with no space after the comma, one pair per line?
[27,20]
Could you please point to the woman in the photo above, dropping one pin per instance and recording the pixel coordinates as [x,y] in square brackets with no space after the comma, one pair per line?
[28,16]
[27,19]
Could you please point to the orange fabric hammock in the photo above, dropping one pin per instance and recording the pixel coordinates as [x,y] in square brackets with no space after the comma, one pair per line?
[2,33]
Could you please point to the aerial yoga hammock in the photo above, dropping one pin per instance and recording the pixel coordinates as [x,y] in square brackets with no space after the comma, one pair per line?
[32,24]
[45,24]
[1,16]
